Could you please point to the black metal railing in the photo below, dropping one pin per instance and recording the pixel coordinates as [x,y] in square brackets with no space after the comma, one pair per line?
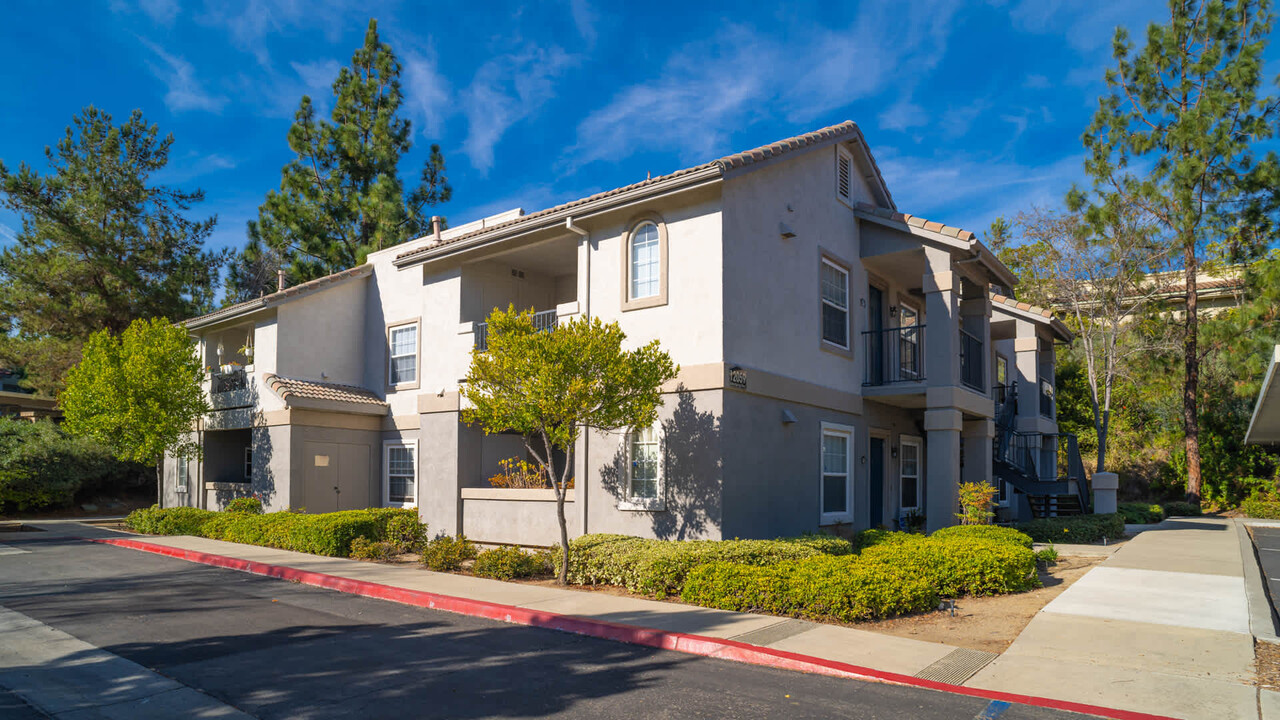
[231,381]
[894,355]
[1046,398]
[971,361]
[542,322]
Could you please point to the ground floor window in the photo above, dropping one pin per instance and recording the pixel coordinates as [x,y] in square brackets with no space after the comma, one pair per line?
[836,489]
[909,473]
[248,463]
[644,469]
[181,484]
[400,469]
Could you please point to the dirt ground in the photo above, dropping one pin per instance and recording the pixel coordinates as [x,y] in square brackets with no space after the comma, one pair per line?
[1266,664]
[988,623]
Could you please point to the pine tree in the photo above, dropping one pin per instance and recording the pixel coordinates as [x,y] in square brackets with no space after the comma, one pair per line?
[341,197]
[99,246]
[1176,136]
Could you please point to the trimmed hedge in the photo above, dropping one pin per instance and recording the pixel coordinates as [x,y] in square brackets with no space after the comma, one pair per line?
[1139,513]
[1075,528]
[250,505]
[659,567]
[958,565]
[986,532]
[505,563]
[446,554]
[1261,507]
[327,534]
[1181,508]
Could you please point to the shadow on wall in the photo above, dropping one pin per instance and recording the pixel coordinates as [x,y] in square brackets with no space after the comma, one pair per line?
[690,471]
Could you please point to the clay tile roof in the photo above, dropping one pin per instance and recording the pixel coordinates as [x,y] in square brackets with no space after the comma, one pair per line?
[728,162]
[916,221]
[312,390]
[999,299]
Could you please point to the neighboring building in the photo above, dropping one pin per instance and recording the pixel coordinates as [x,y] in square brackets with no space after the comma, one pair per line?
[1264,425]
[839,362]
[19,402]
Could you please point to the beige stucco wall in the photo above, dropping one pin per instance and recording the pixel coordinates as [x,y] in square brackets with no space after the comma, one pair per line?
[320,336]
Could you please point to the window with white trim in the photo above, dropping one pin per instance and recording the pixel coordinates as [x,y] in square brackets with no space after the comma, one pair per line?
[844,175]
[400,473]
[909,474]
[835,304]
[645,261]
[644,469]
[180,484]
[403,365]
[248,463]
[836,491]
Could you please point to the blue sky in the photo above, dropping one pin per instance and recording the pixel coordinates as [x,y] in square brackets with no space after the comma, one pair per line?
[973,109]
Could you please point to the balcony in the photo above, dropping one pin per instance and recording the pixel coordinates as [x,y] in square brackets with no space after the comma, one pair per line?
[894,355]
[229,388]
[1046,399]
[971,361]
[542,322]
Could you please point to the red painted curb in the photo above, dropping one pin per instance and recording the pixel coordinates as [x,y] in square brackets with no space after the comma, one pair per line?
[631,634]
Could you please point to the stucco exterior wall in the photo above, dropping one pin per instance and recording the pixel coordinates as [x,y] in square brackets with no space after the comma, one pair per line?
[516,522]
[320,336]
[393,297]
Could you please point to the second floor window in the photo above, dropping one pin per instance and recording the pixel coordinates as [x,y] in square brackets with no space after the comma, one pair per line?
[835,304]
[645,261]
[404,355]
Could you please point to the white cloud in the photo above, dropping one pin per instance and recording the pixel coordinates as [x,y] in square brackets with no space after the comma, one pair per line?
[504,91]
[8,234]
[584,19]
[185,92]
[193,165]
[249,23]
[426,91]
[1036,82]
[708,89]
[903,115]
[957,121]
[161,12]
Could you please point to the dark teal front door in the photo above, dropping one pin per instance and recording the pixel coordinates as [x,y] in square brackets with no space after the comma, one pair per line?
[875,474]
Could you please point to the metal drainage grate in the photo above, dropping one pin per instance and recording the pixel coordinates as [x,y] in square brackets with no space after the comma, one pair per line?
[957,666]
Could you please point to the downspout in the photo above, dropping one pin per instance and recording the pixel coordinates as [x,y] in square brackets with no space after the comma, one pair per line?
[584,309]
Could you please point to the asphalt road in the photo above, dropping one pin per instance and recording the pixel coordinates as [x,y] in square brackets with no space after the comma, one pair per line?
[275,649]
[1267,541]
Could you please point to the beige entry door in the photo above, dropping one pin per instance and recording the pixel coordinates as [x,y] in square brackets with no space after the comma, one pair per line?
[337,476]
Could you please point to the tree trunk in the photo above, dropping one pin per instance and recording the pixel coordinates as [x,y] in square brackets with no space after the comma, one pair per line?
[160,481]
[1102,440]
[563,490]
[1191,382]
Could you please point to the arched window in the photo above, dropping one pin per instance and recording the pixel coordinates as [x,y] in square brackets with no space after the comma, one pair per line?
[645,260]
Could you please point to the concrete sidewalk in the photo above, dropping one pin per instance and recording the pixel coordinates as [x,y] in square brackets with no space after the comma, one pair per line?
[1161,627]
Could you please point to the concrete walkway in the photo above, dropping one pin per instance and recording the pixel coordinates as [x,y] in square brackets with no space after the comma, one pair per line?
[1162,626]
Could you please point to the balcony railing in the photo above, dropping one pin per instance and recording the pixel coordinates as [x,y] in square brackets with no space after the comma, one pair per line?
[1046,398]
[230,381]
[542,322]
[894,355]
[971,364]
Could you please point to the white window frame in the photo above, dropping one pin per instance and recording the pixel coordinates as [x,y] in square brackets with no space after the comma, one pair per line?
[417,354]
[823,302]
[248,463]
[641,504]
[182,475]
[412,446]
[846,516]
[631,261]
[913,441]
[844,164]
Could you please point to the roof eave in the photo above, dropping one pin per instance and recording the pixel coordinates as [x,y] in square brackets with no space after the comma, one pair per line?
[239,312]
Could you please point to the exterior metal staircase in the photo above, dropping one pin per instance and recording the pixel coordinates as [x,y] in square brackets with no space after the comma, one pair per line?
[1017,462]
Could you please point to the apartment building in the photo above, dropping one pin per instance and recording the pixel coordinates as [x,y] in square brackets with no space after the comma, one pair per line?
[842,364]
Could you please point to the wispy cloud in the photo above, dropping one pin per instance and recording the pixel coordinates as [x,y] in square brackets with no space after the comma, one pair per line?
[161,12]
[584,19]
[903,115]
[250,23]
[708,89]
[185,92]
[193,165]
[426,90]
[1036,82]
[8,234]
[504,91]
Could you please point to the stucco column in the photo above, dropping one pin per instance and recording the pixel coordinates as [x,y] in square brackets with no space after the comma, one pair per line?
[977,436]
[1105,485]
[975,317]
[443,446]
[942,467]
[942,319]
[1026,372]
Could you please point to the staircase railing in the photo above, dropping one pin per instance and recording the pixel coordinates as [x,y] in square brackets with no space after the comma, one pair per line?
[1021,451]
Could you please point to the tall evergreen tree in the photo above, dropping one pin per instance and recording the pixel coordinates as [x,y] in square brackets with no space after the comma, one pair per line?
[100,246]
[1176,137]
[341,197]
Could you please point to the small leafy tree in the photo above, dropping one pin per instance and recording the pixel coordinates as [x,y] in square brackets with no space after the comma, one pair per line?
[975,503]
[548,386]
[138,394]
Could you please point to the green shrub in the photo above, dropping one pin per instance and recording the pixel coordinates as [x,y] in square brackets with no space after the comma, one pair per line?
[823,543]
[407,532]
[41,466]
[505,563]
[658,567]
[1261,506]
[986,532]
[447,553]
[958,565]
[169,521]
[822,587]
[363,548]
[1181,508]
[1048,556]
[250,505]
[1140,513]
[877,536]
[1075,528]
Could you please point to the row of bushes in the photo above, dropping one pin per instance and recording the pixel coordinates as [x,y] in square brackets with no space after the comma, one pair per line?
[1083,529]
[898,573]
[331,534]
[43,467]
[447,554]
[659,567]
[1265,506]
